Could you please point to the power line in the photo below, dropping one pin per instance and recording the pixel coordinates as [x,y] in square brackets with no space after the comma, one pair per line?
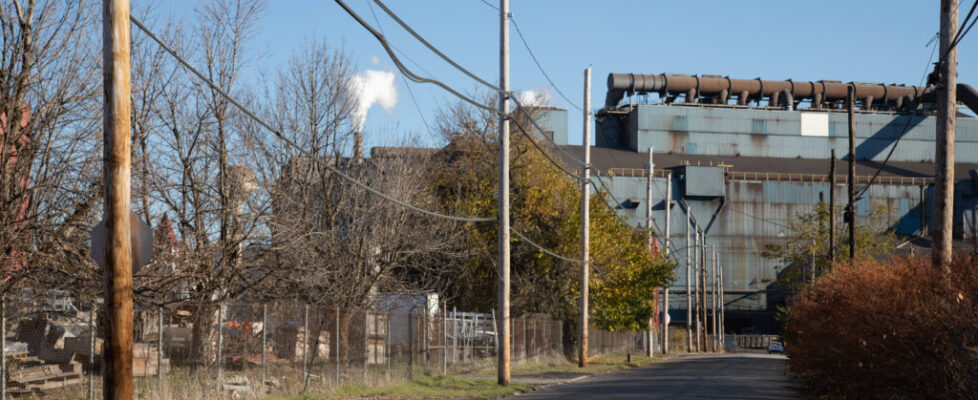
[906,125]
[543,249]
[406,85]
[961,33]
[404,69]
[540,67]
[386,45]
[560,257]
[547,154]
[430,46]
[958,36]
[490,5]
[288,141]
[534,57]
[758,218]
[451,62]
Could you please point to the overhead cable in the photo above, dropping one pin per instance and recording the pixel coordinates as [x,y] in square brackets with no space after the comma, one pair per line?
[404,69]
[958,36]
[293,144]
[432,47]
[560,257]
[406,85]
[903,130]
[547,154]
[540,67]
[454,64]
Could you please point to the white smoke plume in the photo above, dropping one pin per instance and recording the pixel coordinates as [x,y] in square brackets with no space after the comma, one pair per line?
[373,87]
[536,98]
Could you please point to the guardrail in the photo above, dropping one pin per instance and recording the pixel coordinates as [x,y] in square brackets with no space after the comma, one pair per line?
[737,343]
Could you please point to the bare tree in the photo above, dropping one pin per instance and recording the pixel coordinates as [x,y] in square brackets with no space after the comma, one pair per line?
[49,156]
[201,172]
[340,244]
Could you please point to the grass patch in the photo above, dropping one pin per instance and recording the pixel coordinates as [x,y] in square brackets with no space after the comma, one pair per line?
[435,386]
[293,397]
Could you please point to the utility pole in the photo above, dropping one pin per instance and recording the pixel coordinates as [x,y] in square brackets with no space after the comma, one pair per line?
[504,325]
[648,224]
[117,381]
[668,243]
[713,296]
[585,222]
[689,290]
[723,318]
[851,207]
[703,303]
[696,284]
[946,98]
[832,210]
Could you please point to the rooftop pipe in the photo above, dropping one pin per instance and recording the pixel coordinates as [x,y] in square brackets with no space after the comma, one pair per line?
[714,89]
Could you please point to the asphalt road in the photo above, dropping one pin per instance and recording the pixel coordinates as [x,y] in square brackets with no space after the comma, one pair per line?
[729,376]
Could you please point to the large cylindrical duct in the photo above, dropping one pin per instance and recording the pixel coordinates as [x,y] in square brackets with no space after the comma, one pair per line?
[721,89]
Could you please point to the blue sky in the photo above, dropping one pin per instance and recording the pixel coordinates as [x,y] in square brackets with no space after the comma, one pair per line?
[872,41]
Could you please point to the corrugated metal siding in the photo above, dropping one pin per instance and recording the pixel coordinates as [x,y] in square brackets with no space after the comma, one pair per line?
[755,215]
[777,133]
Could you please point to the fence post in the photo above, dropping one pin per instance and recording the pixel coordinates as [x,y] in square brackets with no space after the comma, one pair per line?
[337,346]
[454,335]
[411,345]
[159,354]
[495,330]
[305,341]
[366,343]
[91,354]
[220,347]
[425,336]
[487,337]
[526,350]
[3,348]
[387,346]
[444,341]
[264,345]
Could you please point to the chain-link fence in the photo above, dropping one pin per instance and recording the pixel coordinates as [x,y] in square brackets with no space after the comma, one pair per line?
[242,349]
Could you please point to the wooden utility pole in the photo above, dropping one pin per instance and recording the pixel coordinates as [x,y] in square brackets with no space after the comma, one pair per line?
[585,222]
[851,207]
[832,210]
[668,244]
[689,285]
[503,263]
[946,98]
[648,223]
[117,351]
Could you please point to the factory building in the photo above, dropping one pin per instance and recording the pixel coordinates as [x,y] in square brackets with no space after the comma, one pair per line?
[748,155]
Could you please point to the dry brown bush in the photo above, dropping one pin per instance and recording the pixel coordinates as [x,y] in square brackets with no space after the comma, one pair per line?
[888,330]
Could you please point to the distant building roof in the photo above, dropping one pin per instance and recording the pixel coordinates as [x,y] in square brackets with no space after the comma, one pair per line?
[606,159]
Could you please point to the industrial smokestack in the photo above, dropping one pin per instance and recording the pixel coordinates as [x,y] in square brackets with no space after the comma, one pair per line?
[358,146]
